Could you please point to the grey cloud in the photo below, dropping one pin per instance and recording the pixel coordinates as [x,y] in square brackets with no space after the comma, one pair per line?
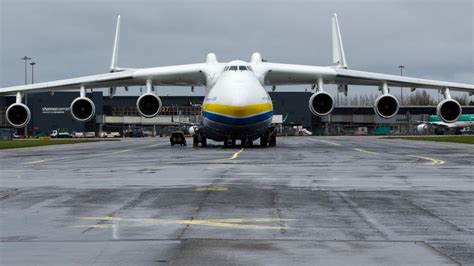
[434,39]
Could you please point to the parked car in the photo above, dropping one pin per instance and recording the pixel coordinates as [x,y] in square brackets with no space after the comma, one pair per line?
[41,134]
[78,134]
[177,137]
[90,134]
[135,134]
[60,134]
[110,134]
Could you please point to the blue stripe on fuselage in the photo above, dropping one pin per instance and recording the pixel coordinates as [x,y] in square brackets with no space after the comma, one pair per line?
[237,121]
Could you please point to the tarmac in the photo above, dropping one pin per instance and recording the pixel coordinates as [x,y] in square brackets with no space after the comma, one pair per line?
[308,201]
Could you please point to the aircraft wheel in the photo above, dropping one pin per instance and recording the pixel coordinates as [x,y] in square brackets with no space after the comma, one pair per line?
[226,143]
[195,140]
[273,141]
[249,142]
[263,141]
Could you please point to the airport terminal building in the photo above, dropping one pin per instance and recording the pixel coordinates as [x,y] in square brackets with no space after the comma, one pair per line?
[51,112]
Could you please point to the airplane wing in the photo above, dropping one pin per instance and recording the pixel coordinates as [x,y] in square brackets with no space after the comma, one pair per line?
[288,74]
[178,75]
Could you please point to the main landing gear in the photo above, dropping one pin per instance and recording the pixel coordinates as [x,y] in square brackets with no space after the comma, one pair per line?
[269,139]
[198,138]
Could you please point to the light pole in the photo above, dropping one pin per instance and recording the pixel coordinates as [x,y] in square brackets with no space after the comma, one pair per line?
[32,64]
[401,90]
[25,58]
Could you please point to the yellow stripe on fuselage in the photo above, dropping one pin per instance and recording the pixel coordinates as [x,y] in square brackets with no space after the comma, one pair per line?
[238,111]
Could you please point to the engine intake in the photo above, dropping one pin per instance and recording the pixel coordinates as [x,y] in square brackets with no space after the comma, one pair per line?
[149,105]
[386,106]
[449,110]
[18,115]
[321,103]
[82,109]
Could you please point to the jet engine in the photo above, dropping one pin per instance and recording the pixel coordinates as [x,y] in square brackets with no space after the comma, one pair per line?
[449,110]
[18,115]
[149,105]
[386,106]
[422,129]
[82,109]
[192,130]
[321,103]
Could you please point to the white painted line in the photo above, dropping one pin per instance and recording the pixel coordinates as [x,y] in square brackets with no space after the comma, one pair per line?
[432,161]
[362,150]
[39,161]
[326,141]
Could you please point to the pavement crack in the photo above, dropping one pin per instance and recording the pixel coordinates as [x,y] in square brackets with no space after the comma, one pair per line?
[373,223]
[276,203]
[430,213]
[130,204]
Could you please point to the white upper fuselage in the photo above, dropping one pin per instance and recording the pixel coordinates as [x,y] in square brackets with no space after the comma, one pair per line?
[236,104]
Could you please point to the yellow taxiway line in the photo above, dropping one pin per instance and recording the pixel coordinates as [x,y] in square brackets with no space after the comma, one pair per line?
[237,223]
[200,189]
[236,154]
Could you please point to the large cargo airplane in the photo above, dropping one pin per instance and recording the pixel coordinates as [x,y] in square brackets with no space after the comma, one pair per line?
[236,105]
[434,121]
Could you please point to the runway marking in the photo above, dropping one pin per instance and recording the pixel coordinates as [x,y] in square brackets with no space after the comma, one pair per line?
[327,141]
[432,161]
[362,150]
[96,155]
[235,223]
[100,226]
[200,189]
[104,154]
[39,161]
[236,154]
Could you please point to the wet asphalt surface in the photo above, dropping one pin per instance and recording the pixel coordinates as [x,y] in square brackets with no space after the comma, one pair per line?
[310,200]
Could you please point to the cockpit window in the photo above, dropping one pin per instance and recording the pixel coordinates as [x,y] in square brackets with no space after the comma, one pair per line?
[235,68]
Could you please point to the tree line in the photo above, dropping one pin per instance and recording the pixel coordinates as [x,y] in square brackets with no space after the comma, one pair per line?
[417,98]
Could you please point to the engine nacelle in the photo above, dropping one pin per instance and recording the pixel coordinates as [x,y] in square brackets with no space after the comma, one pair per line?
[18,115]
[82,109]
[321,103]
[422,129]
[386,106]
[149,105]
[192,130]
[449,110]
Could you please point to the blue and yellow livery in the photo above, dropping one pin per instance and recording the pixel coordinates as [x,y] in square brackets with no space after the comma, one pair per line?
[238,115]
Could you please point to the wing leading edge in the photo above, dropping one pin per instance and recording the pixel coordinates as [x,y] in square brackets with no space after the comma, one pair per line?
[179,75]
[288,74]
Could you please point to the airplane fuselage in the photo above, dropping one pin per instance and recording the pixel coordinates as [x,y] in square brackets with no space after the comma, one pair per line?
[237,106]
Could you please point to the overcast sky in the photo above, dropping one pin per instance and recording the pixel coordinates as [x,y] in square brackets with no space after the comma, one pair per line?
[433,38]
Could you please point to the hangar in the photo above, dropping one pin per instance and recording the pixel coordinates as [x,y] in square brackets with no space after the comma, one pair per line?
[50,112]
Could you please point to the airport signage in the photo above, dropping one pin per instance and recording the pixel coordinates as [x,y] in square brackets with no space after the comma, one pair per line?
[54,110]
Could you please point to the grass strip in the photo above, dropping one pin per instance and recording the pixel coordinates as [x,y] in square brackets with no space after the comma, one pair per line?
[13,144]
[452,139]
